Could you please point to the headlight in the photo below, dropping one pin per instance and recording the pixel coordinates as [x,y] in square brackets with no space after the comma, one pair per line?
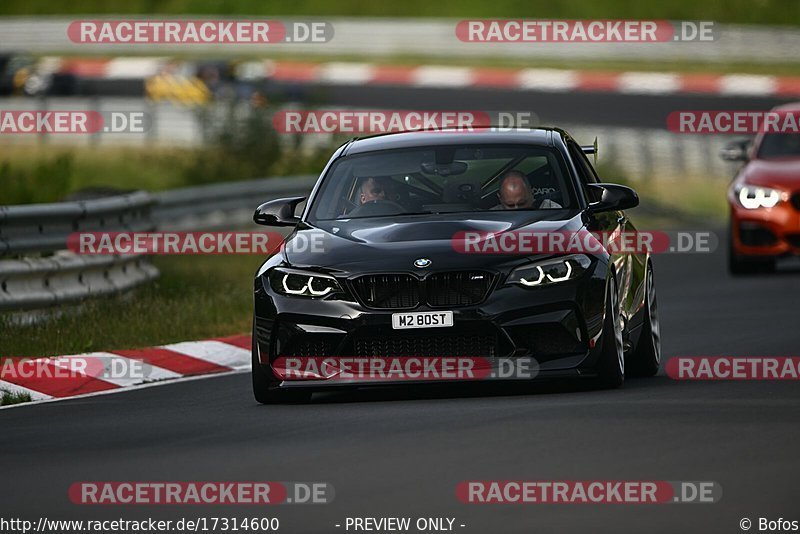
[303,283]
[753,197]
[550,271]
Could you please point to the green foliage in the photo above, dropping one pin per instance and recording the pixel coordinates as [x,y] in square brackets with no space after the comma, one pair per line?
[612,173]
[45,181]
[8,397]
[241,144]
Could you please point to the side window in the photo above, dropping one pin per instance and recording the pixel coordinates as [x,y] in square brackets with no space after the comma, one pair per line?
[585,170]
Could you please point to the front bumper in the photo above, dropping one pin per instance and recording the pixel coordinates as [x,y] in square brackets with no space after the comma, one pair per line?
[558,326]
[766,232]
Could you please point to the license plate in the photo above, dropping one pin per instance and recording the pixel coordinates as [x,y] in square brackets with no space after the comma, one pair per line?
[422,320]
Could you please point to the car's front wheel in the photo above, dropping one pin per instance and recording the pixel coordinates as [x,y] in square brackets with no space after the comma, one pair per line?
[612,357]
[262,385]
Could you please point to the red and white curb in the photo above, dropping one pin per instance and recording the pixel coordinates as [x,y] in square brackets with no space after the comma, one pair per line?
[537,79]
[440,76]
[157,364]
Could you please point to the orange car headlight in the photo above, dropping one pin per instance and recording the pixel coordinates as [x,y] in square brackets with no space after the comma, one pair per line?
[753,197]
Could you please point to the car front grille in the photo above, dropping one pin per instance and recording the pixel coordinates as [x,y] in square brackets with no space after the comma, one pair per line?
[406,291]
[754,235]
[429,344]
[388,291]
[458,288]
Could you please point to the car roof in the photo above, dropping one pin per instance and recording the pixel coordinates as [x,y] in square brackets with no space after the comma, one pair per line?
[483,136]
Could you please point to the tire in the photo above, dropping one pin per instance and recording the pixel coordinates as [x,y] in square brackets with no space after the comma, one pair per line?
[262,385]
[611,369]
[738,265]
[646,359]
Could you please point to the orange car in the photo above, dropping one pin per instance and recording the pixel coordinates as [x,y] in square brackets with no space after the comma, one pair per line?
[764,198]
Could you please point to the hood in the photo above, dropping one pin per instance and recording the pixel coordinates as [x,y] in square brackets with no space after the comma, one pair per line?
[780,173]
[393,244]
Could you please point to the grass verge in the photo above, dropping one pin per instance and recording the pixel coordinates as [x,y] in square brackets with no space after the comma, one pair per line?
[684,200]
[9,397]
[672,201]
[47,173]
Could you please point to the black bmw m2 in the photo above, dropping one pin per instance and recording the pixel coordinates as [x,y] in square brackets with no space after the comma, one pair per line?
[383,262]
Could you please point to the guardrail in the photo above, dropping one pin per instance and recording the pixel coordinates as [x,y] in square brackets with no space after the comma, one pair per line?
[29,284]
[37,272]
[45,227]
[226,205]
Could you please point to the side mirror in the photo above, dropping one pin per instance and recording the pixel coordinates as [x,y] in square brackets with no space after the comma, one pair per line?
[279,212]
[735,150]
[613,197]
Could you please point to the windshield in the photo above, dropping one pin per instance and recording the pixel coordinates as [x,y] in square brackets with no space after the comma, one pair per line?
[446,179]
[779,145]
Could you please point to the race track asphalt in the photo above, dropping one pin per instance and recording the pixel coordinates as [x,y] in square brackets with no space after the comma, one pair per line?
[401,453]
[551,107]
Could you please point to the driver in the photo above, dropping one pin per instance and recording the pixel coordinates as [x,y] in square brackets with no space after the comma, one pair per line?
[371,190]
[515,193]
